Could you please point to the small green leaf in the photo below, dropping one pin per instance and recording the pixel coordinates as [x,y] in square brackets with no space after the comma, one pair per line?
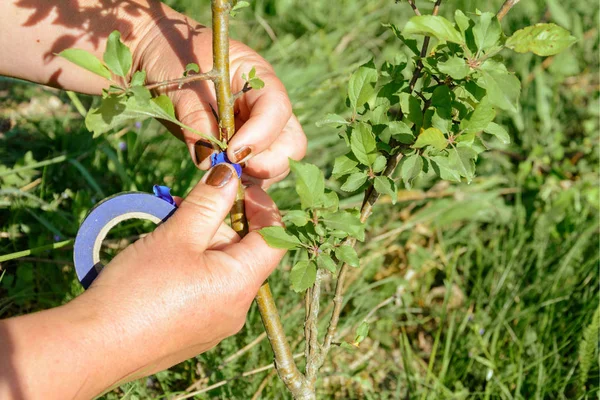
[431,137]
[479,119]
[411,168]
[117,56]
[456,67]
[332,120]
[86,60]
[541,39]
[361,333]
[385,185]
[502,87]
[331,202]
[191,67]
[138,79]
[310,183]
[303,275]
[256,83]
[346,222]
[348,255]
[498,131]
[487,31]
[237,7]
[363,144]
[362,85]
[433,25]
[354,181]
[252,73]
[140,93]
[379,164]
[325,261]
[399,131]
[343,165]
[296,217]
[164,102]
[278,238]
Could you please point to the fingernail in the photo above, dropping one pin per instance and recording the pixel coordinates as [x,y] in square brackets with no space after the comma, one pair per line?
[219,175]
[202,150]
[241,154]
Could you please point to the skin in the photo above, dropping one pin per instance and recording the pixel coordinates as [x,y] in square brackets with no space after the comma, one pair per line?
[189,284]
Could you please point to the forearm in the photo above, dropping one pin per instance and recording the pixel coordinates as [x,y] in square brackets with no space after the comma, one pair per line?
[33,34]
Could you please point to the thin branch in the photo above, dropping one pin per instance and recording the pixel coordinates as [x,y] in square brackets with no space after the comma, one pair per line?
[245,89]
[263,385]
[205,76]
[508,4]
[312,366]
[419,67]
[414,7]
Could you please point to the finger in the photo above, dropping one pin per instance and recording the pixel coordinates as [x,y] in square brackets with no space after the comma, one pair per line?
[224,237]
[270,109]
[202,212]
[252,252]
[274,161]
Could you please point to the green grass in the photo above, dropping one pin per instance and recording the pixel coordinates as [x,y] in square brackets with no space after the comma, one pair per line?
[489,289]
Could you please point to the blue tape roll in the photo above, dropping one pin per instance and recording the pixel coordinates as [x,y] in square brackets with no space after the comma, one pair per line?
[104,216]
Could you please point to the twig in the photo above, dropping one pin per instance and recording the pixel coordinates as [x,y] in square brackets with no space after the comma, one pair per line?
[414,7]
[210,75]
[263,385]
[315,350]
[508,4]
[245,89]
[419,67]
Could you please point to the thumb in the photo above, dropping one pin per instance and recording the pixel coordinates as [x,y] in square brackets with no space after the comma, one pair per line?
[201,213]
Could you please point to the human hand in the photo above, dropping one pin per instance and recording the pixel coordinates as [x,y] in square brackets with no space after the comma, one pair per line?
[267,131]
[186,286]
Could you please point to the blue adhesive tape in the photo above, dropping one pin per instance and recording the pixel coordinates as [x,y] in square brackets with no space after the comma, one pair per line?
[108,213]
[220,158]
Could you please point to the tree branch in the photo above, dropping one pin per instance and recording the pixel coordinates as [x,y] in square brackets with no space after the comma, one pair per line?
[414,7]
[508,4]
[245,89]
[371,197]
[314,353]
[210,75]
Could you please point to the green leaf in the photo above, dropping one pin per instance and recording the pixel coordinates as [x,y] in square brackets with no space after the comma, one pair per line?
[462,21]
[411,167]
[433,25]
[362,85]
[191,67]
[256,83]
[348,255]
[441,166]
[331,202]
[431,137]
[456,67]
[498,131]
[310,183]
[141,94]
[296,217]
[363,144]
[361,333]
[385,185]
[487,31]
[166,105]
[541,39]
[399,131]
[278,238]
[325,261]
[479,119]
[138,79]
[117,56]
[379,164]
[237,7]
[86,60]
[343,165]
[303,275]
[354,181]
[345,222]
[502,87]
[252,73]
[462,159]
[332,120]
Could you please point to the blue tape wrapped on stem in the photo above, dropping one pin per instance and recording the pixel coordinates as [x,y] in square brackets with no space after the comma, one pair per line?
[220,158]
